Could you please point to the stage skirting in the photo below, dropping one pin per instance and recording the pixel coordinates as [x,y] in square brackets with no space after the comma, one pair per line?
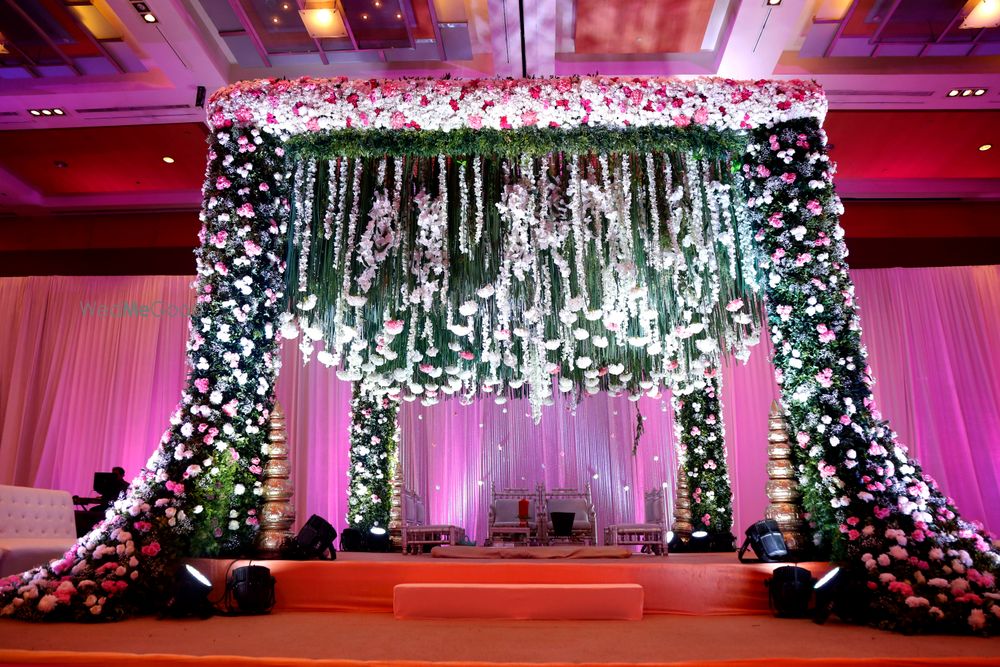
[692,584]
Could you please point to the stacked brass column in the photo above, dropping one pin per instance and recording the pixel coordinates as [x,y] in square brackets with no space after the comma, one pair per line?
[277,515]
[682,508]
[782,488]
[396,510]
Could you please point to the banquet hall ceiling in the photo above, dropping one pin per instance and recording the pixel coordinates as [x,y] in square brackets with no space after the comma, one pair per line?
[98,73]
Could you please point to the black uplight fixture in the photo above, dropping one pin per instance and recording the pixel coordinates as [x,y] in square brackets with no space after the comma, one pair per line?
[378,539]
[766,540]
[189,596]
[790,589]
[315,540]
[252,588]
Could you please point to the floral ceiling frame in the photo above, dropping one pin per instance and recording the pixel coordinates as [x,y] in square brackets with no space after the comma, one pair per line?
[924,567]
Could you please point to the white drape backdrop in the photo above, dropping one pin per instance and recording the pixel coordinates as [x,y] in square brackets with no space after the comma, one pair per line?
[80,393]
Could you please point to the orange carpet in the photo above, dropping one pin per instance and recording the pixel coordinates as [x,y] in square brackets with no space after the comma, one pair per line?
[334,640]
[698,584]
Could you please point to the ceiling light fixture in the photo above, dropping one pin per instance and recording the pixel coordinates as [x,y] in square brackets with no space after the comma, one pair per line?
[52,111]
[322,20]
[168,159]
[966,92]
[985,147]
[144,12]
[984,15]
[773,3]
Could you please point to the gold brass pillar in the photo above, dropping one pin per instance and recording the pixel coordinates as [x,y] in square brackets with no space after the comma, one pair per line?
[396,509]
[277,514]
[682,526]
[785,505]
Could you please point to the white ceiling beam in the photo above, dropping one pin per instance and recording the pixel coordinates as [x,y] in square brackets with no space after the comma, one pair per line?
[759,35]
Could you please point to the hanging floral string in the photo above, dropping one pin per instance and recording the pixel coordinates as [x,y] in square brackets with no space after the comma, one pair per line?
[599,271]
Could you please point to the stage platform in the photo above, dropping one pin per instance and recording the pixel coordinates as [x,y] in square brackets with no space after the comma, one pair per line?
[319,639]
[691,584]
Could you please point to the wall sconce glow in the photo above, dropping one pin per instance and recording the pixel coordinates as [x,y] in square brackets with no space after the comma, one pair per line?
[984,15]
[322,20]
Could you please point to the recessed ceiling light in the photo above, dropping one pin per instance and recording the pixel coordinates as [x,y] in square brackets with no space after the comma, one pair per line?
[773,3]
[35,112]
[168,159]
[979,91]
[46,112]
[60,164]
[364,17]
[966,92]
[274,19]
[59,112]
[399,15]
[954,93]
[985,147]
[149,18]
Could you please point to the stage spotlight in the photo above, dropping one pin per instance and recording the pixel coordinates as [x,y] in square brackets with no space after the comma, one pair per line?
[315,540]
[352,539]
[378,539]
[766,540]
[789,591]
[699,542]
[252,587]
[190,595]
[842,593]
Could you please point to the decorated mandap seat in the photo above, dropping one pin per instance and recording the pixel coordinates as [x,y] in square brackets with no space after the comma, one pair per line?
[580,504]
[505,523]
[651,535]
[417,533]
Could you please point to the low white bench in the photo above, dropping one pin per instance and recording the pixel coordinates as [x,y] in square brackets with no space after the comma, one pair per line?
[36,526]
[592,602]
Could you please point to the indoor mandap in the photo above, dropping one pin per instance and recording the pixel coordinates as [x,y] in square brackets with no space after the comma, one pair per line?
[555,352]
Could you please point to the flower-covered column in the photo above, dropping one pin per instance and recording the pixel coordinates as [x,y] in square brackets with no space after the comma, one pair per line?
[702,444]
[925,567]
[198,493]
[374,439]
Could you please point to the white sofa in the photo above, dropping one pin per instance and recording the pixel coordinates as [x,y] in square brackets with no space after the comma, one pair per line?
[36,526]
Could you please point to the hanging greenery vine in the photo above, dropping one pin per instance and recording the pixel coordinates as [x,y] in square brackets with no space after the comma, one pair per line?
[374,443]
[482,274]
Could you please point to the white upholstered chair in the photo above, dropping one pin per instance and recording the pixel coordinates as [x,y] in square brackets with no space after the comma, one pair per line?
[417,533]
[504,524]
[651,535]
[584,518]
[36,526]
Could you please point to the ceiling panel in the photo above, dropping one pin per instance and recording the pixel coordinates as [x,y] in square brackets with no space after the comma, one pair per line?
[106,160]
[641,26]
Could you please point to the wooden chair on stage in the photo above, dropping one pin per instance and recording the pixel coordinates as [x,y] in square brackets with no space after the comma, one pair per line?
[505,525]
[651,536]
[580,503]
[417,534]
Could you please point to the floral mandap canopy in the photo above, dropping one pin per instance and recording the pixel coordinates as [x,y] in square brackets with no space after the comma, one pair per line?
[435,238]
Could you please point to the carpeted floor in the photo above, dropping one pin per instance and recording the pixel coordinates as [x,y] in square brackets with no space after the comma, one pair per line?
[383,640]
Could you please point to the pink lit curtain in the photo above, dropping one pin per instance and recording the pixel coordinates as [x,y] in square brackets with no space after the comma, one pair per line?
[82,393]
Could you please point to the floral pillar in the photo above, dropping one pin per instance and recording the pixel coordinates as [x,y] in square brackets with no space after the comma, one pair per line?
[374,438]
[925,567]
[701,440]
[199,492]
